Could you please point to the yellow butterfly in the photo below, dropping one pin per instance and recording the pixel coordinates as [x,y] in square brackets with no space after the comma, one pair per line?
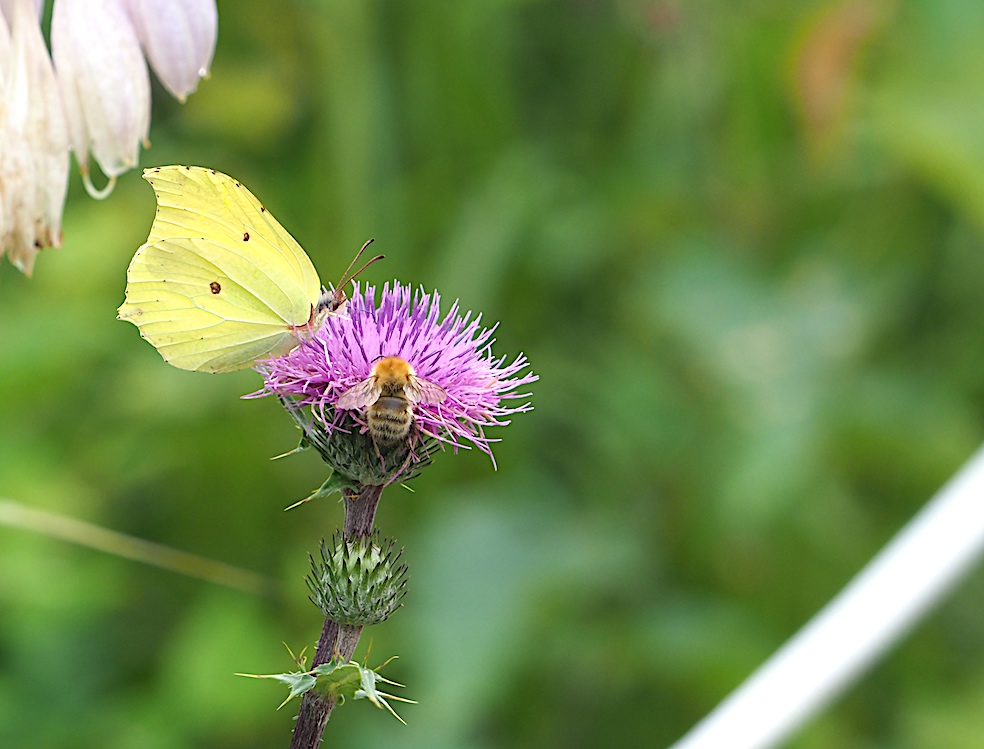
[219,283]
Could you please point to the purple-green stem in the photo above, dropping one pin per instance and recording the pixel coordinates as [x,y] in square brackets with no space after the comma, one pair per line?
[360,509]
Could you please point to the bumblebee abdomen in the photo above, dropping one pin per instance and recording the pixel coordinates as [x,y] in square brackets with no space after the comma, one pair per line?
[389,420]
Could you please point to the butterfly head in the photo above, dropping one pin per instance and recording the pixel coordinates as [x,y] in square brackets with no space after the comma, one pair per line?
[331,302]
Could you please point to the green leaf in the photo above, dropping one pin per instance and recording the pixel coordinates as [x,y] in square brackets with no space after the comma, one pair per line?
[354,681]
[298,681]
[369,692]
[302,445]
[336,482]
[336,679]
[340,681]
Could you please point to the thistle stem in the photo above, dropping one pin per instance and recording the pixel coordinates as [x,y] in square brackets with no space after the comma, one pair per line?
[360,510]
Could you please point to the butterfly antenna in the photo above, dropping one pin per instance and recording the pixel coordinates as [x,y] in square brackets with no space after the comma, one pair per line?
[346,277]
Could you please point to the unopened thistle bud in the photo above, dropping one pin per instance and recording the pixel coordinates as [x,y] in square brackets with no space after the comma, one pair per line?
[358,582]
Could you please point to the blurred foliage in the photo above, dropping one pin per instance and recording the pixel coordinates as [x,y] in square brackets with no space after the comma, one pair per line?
[742,244]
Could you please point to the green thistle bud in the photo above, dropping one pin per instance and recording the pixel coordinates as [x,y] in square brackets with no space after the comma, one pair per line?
[357,582]
[355,455]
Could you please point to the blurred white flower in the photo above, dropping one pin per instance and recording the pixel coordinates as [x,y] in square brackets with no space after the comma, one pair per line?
[178,37]
[104,82]
[96,99]
[96,46]
[7,8]
[33,140]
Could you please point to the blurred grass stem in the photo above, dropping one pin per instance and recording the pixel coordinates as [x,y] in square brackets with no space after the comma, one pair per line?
[341,640]
[16,515]
[884,601]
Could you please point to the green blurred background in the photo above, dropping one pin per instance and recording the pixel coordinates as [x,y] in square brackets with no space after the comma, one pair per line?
[742,244]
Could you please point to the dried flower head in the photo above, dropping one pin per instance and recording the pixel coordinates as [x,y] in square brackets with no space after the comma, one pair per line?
[399,372]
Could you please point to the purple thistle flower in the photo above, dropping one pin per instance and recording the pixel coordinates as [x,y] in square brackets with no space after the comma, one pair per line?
[451,356]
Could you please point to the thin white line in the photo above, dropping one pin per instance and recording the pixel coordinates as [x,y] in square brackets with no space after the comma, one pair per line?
[938,547]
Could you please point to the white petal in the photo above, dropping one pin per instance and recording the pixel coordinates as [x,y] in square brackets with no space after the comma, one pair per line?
[7,8]
[6,48]
[34,157]
[179,39]
[104,81]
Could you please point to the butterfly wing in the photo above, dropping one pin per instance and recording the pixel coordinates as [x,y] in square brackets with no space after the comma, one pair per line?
[204,310]
[196,202]
[219,282]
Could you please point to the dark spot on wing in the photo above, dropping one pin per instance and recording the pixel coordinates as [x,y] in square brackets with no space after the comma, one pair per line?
[245,236]
[215,287]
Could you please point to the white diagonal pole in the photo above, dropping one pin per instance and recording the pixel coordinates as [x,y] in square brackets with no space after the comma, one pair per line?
[938,547]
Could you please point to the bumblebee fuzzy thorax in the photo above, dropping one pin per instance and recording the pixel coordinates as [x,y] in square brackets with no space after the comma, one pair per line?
[392,374]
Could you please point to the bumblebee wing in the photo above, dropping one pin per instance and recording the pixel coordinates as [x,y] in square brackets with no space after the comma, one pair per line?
[359,396]
[422,391]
